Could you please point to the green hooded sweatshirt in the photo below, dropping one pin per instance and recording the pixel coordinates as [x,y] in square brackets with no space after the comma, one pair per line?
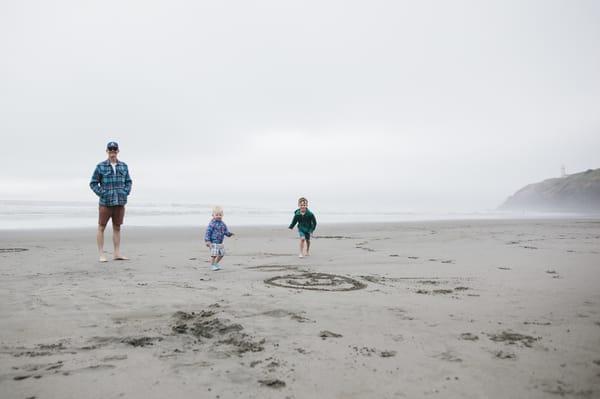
[307,223]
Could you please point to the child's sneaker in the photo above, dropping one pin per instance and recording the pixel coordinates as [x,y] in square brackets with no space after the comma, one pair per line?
[219,267]
[215,267]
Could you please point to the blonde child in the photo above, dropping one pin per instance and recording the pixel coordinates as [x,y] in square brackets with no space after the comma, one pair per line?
[214,236]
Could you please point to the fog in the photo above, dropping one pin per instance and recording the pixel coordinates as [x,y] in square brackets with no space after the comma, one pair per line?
[396,105]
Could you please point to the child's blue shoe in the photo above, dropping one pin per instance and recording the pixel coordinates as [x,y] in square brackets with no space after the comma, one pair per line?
[215,267]
[219,267]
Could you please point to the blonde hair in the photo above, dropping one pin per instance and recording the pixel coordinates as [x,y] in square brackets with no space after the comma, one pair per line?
[301,200]
[217,209]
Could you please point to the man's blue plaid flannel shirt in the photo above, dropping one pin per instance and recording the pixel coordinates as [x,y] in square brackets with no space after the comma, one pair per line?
[112,188]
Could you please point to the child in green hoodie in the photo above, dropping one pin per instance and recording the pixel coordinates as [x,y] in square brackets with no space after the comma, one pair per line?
[307,223]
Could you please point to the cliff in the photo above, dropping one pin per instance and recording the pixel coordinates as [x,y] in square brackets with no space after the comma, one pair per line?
[578,192]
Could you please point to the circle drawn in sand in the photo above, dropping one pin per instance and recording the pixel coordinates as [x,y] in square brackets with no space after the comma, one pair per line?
[6,250]
[316,282]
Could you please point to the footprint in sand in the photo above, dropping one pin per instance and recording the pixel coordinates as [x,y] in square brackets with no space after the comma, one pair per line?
[39,370]
[361,245]
[328,334]
[114,357]
[449,357]
[554,273]
[512,338]
[279,313]
[12,250]
[401,313]
[469,337]
[272,383]
[537,323]
[504,355]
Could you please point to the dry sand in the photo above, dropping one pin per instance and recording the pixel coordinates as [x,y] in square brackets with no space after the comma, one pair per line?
[473,309]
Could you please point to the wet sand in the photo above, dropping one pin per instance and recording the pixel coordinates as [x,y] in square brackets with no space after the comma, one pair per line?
[471,309]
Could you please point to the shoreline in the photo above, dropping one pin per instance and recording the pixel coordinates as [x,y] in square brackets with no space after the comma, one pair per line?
[202,226]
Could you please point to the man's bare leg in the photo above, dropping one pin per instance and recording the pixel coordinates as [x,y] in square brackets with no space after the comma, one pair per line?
[117,243]
[100,242]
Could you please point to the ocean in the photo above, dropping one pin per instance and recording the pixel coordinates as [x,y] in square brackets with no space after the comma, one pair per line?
[22,215]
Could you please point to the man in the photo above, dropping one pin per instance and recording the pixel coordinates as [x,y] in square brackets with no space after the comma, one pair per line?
[112,184]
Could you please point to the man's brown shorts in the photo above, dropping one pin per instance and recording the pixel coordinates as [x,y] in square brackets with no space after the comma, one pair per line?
[116,213]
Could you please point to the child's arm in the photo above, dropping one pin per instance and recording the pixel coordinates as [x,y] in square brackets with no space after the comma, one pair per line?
[294,221]
[208,233]
[314,222]
[227,232]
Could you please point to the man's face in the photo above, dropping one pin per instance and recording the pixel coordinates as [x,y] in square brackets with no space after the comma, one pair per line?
[112,154]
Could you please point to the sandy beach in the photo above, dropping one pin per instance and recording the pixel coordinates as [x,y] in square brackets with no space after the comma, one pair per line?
[461,309]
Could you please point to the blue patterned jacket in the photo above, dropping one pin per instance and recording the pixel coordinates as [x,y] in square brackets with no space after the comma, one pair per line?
[216,232]
[112,188]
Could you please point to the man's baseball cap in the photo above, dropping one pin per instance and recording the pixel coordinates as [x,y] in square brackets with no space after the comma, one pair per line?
[112,146]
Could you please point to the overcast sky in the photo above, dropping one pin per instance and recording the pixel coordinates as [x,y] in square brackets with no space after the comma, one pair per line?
[404,105]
